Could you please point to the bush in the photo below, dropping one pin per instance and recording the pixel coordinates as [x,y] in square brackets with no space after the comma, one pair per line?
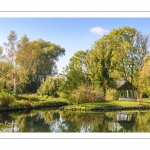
[50,87]
[43,98]
[6,99]
[112,94]
[23,103]
[33,97]
[85,95]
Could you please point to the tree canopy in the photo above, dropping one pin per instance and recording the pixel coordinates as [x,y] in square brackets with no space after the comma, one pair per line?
[26,64]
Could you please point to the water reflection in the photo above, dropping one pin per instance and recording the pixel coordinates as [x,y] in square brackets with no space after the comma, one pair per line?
[53,120]
[126,121]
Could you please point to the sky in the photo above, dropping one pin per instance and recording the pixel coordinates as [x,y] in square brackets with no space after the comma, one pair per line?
[73,34]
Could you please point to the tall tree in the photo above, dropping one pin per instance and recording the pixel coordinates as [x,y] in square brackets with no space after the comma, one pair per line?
[26,58]
[142,78]
[38,59]
[100,62]
[11,48]
[76,73]
[117,55]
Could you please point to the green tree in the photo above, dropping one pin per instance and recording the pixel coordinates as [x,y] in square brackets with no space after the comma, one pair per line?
[100,61]
[76,74]
[26,58]
[142,78]
[37,60]
[117,56]
[11,48]
[50,87]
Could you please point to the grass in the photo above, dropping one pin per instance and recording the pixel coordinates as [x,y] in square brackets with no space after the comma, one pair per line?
[114,103]
[32,100]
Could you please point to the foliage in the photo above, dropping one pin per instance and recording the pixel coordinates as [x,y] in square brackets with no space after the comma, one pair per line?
[11,48]
[117,56]
[76,72]
[85,95]
[112,94]
[26,64]
[23,103]
[142,78]
[100,63]
[38,60]
[50,87]
[6,99]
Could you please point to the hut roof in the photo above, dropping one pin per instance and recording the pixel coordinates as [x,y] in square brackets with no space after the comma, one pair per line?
[127,86]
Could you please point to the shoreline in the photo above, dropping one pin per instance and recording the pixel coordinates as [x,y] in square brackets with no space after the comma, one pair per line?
[106,108]
[18,108]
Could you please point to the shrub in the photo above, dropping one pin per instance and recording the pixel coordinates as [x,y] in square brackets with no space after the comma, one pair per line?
[43,98]
[85,95]
[112,94]
[33,97]
[50,87]
[23,103]
[6,99]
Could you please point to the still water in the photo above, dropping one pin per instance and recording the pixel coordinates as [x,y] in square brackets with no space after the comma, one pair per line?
[53,120]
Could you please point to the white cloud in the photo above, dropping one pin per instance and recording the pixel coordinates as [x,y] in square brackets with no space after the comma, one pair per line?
[99,30]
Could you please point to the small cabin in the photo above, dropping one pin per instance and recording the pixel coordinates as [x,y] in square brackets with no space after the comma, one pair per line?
[127,91]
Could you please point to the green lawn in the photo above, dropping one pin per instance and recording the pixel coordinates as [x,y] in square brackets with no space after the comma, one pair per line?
[114,103]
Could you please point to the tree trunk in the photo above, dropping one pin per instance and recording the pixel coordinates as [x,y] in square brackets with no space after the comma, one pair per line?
[15,85]
[139,97]
[104,92]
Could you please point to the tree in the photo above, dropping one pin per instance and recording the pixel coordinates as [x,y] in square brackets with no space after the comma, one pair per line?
[26,58]
[100,60]
[142,78]
[11,48]
[76,73]
[132,49]
[132,64]
[50,87]
[27,64]
[123,54]
[38,59]
[117,56]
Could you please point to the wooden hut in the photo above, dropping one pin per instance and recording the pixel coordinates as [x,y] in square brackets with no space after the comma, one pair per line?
[127,91]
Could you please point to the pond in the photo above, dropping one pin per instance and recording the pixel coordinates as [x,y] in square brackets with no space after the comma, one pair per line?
[54,120]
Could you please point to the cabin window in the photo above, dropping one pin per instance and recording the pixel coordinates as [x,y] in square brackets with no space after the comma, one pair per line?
[121,94]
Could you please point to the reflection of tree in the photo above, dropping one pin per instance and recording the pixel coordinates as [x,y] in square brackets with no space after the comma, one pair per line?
[85,122]
[50,116]
[38,121]
[103,124]
[67,121]
[5,117]
[33,124]
[142,122]
[7,122]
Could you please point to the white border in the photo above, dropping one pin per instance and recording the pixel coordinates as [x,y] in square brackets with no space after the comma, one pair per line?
[74,14]
[97,135]
[52,8]
[74,5]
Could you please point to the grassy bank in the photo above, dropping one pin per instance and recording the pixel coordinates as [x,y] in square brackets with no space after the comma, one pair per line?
[32,101]
[113,104]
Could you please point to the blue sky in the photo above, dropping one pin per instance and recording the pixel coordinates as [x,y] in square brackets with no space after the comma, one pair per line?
[73,34]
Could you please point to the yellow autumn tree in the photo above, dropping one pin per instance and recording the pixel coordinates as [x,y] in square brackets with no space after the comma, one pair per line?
[142,78]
